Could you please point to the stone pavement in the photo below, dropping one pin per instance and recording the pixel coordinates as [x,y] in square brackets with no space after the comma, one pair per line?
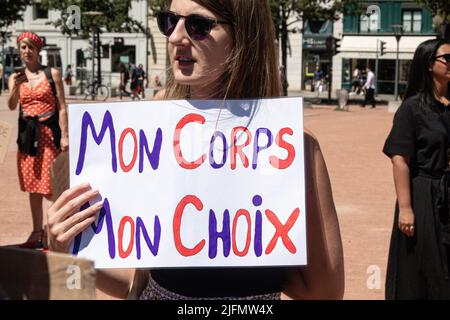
[361,178]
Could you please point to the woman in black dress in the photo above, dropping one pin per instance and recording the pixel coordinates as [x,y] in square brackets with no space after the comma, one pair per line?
[418,265]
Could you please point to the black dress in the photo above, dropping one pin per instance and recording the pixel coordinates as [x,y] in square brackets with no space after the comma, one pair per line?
[418,267]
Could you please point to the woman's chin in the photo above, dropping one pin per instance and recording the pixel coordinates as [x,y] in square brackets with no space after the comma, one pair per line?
[191,80]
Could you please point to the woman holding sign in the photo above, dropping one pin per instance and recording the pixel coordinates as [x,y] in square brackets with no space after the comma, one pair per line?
[42,127]
[223,49]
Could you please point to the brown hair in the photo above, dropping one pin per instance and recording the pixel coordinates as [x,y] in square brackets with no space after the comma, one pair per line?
[252,67]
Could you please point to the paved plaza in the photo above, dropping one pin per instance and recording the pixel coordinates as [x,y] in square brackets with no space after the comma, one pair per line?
[361,178]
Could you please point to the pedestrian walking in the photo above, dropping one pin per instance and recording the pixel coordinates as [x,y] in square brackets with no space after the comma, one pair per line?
[357,82]
[68,75]
[124,76]
[418,264]
[369,88]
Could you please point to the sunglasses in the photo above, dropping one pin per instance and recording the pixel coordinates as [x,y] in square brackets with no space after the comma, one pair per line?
[197,26]
[445,56]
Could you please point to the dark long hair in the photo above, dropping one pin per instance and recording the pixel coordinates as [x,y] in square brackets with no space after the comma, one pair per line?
[420,77]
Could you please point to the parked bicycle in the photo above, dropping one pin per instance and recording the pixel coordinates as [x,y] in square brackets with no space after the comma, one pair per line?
[96,89]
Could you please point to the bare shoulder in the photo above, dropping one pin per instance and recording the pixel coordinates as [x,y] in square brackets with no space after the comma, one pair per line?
[159,95]
[56,74]
[310,138]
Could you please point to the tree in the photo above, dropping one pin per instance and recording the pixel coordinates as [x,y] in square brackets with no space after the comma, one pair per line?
[11,11]
[441,13]
[287,12]
[113,18]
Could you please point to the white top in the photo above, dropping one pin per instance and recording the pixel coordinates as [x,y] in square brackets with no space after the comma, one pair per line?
[370,82]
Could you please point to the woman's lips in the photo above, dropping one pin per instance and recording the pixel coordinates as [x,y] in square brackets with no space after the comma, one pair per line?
[184,61]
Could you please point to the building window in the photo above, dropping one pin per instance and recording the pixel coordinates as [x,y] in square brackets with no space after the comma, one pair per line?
[122,54]
[369,24]
[39,12]
[412,21]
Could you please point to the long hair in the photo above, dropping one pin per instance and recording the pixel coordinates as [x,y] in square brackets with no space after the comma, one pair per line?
[420,80]
[251,70]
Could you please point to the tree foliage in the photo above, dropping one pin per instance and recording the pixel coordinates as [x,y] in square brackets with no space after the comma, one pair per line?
[10,12]
[114,16]
[438,8]
[441,12]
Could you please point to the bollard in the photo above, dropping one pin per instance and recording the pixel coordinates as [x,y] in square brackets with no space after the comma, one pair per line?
[342,99]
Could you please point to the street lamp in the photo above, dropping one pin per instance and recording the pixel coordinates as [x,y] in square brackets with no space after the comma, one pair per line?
[398,32]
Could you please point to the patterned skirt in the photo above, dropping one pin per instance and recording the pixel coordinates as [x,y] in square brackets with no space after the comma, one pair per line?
[153,291]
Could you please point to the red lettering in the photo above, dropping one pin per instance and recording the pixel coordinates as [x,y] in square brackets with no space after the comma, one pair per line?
[237,149]
[283,163]
[184,251]
[241,212]
[123,221]
[282,231]
[127,168]
[192,117]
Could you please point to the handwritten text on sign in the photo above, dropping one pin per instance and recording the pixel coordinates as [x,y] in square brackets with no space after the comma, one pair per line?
[192,183]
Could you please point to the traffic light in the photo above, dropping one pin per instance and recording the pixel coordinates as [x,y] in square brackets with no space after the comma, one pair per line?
[337,45]
[333,44]
[382,48]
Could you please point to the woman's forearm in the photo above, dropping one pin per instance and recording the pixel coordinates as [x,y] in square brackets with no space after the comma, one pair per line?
[402,181]
[13,98]
[115,282]
[63,121]
[323,277]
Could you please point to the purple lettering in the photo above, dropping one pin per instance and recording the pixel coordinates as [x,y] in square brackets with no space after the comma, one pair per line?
[152,156]
[106,124]
[214,235]
[257,148]
[212,162]
[157,236]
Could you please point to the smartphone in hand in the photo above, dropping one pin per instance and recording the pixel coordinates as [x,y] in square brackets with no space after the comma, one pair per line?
[21,76]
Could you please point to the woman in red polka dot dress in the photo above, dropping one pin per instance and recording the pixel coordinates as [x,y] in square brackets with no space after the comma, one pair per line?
[42,128]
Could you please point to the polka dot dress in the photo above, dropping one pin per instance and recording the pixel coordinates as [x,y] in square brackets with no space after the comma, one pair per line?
[34,172]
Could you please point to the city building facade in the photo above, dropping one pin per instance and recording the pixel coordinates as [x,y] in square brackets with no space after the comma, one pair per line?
[363,36]
[77,52]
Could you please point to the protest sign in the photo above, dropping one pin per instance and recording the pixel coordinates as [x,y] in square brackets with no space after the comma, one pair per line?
[5,138]
[192,183]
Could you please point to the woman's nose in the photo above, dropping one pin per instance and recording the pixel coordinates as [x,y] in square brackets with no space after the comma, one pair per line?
[179,35]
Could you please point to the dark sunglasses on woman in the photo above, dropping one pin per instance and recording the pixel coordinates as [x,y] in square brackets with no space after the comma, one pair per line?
[445,56]
[198,27]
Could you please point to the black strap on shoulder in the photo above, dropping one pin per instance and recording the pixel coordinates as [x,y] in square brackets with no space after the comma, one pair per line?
[48,74]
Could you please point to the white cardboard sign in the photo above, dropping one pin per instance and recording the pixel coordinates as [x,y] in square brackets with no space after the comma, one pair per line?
[192,183]
[5,138]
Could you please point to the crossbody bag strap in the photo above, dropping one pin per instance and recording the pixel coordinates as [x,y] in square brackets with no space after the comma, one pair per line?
[48,74]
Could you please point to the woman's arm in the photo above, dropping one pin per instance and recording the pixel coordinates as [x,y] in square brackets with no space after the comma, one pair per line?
[13,84]
[323,277]
[62,109]
[65,221]
[403,190]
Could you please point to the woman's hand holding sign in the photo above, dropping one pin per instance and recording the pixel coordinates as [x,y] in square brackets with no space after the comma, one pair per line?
[65,220]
